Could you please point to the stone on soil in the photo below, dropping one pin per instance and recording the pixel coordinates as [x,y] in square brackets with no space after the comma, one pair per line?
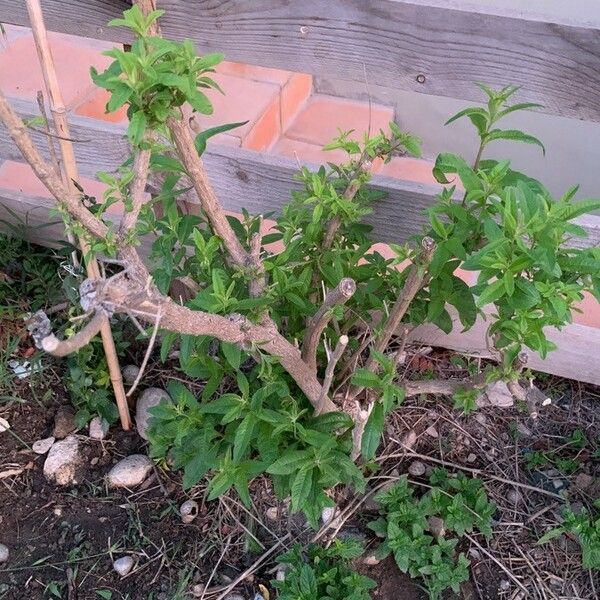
[98,428]
[42,446]
[130,373]
[496,394]
[64,422]
[64,462]
[3,553]
[417,468]
[123,565]
[129,472]
[149,398]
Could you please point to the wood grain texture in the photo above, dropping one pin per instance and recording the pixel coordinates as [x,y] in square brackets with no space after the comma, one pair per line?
[259,182]
[575,358]
[404,44]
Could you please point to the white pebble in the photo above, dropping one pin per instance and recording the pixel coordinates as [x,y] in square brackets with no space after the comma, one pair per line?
[98,428]
[129,472]
[3,553]
[4,425]
[417,468]
[63,462]
[431,431]
[123,565]
[272,513]
[188,511]
[371,560]
[42,446]
[130,373]
[328,514]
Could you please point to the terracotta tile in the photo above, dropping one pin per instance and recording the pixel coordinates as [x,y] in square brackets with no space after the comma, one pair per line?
[313,154]
[411,169]
[19,176]
[294,95]
[590,312]
[95,107]
[254,73]
[244,100]
[12,33]
[21,76]
[324,116]
[266,130]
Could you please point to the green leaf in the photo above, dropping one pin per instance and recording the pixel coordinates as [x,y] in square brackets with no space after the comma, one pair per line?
[232,353]
[202,138]
[301,487]
[290,462]
[120,93]
[514,135]
[137,128]
[243,437]
[366,378]
[478,116]
[451,163]
[581,208]
[550,535]
[492,292]
[373,432]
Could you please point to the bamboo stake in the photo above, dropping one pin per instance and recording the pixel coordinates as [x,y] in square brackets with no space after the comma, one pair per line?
[59,115]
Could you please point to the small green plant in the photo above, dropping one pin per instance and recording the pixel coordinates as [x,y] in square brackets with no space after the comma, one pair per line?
[88,381]
[318,573]
[585,526]
[423,532]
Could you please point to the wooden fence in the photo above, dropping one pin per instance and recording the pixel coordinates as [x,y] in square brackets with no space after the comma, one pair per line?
[404,44]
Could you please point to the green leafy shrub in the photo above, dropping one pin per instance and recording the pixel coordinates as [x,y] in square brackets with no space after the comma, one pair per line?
[422,547]
[318,573]
[275,401]
[585,526]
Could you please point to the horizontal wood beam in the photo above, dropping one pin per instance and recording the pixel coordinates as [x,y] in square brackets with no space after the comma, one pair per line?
[407,44]
[258,182]
[575,357]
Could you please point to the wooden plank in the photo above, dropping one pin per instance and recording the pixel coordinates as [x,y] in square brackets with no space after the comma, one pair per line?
[259,182]
[576,356]
[412,45]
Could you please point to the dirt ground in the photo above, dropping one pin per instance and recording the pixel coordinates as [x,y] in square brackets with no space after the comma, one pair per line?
[62,541]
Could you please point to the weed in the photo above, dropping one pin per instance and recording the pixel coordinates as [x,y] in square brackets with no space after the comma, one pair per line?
[318,573]
[423,532]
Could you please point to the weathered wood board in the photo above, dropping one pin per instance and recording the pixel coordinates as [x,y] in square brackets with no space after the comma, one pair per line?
[408,44]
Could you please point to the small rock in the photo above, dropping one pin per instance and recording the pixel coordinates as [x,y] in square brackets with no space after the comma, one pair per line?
[64,422]
[4,425]
[63,463]
[523,430]
[496,394]
[94,461]
[3,553]
[417,468]
[577,508]
[272,513]
[198,590]
[98,428]
[42,446]
[371,560]
[129,472]
[514,496]
[234,597]
[436,526]
[409,439]
[481,418]
[130,373]
[188,511]
[328,514]
[471,458]
[431,431]
[583,481]
[280,575]
[504,585]
[149,399]
[123,565]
